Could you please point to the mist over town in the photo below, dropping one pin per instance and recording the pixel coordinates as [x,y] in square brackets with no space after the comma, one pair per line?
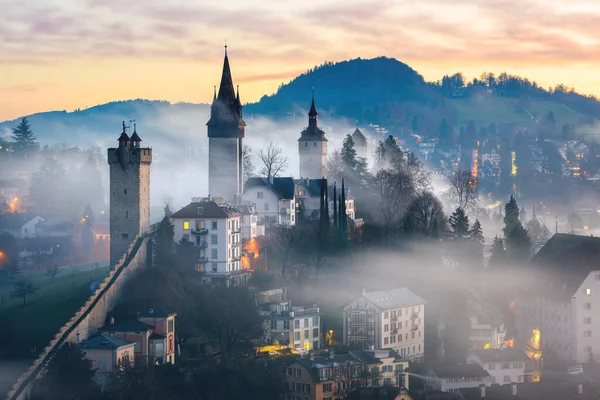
[365,230]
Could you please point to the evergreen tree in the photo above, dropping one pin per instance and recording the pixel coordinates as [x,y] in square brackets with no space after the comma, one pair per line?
[517,240]
[335,210]
[511,214]
[498,256]
[477,242]
[348,153]
[24,139]
[163,243]
[459,222]
[476,232]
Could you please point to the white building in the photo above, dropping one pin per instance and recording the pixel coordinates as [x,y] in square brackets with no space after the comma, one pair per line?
[216,230]
[386,367]
[487,336]
[295,326]
[312,147]
[391,319]
[250,226]
[504,366]
[274,199]
[557,306]
[452,377]
[20,226]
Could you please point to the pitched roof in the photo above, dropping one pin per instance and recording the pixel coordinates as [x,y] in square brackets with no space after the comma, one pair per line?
[104,341]
[156,312]
[14,221]
[129,325]
[210,210]
[326,362]
[283,187]
[460,371]
[358,137]
[313,186]
[500,355]
[395,298]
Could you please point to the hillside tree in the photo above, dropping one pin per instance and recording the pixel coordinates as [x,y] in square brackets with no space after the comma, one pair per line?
[24,140]
[459,222]
[463,191]
[518,243]
[426,214]
[498,254]
[273,161]
[23,290]
[87,233]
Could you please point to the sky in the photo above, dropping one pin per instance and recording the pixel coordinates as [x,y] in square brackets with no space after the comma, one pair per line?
[68,54]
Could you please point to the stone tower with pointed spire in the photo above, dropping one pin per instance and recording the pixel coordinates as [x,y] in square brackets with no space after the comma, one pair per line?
[129,192]
[225,140]
[312,147]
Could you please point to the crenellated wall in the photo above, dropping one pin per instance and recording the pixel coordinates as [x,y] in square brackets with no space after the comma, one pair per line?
[90,316]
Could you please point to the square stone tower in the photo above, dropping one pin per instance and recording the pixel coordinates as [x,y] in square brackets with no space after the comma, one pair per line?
[312,147]
[129,192]
[226,140]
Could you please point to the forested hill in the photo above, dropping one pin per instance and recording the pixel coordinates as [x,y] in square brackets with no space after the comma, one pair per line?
[380,91]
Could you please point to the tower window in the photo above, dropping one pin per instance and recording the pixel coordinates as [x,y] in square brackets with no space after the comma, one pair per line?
[305,144]
[315,144]
[124,191]
[125,236]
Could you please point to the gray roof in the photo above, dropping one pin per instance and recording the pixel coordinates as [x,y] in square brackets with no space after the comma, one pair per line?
[283,187]
[459,371]
[210,209]
[156,312]
[103,341]
[395,298]
[500,355]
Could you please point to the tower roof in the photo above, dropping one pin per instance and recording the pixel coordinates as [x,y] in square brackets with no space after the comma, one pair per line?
[124,137]
[313,109]
[313,132]
[226,92]
[358,136]
[135,137]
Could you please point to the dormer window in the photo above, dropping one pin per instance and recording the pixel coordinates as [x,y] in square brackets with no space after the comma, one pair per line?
[200,210]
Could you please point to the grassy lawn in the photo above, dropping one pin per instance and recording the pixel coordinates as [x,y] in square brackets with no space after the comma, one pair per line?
[36,322]
[483,110]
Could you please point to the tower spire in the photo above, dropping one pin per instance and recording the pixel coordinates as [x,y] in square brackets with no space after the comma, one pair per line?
[215,93]
[226,93]
[312,114]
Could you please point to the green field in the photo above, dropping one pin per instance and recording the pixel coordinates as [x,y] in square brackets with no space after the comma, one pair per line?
[485,109]
[36,322]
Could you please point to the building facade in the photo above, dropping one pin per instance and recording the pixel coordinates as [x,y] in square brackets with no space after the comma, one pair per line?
[504,366]
[453,377]
[391,319]
[129,192]
[360,143]
[312,147]
[108,354]
[225,140]
[274,199]
[215,228]
[298,327]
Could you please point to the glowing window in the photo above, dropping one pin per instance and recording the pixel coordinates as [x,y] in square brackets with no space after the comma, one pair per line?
[588,291]
[186,225]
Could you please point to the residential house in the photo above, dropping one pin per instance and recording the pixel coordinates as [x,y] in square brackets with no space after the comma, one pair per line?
[162,340]
[487,335]
[274,199]
[249,222]
[325,377]
[58,228]
[108,353]
[215,228]
[132,331]
[20,226]
[295,326]
[386,367]
[503,365]
[392,319]
[556,306]
[452,377]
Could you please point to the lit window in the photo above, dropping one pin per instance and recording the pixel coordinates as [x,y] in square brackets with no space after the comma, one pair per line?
[588,291]
[186,225]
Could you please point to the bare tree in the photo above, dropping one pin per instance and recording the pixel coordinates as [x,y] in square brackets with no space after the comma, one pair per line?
[168,209]
[52,272]
[537,231]
[426,215]
[247,161]
[24,289]
[273,160]
[463,191]
[394,191]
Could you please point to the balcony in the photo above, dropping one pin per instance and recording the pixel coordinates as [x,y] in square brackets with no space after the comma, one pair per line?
[415,315]
[395,318]
[199,231]
[305,312]
[203,259]
[203,245]
[236,230]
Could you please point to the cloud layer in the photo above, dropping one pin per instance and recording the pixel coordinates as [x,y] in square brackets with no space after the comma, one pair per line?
[99,50]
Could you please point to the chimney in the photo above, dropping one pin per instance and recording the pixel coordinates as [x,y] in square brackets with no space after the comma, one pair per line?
[513,387]
[580,388]
[482,390]
[112,321]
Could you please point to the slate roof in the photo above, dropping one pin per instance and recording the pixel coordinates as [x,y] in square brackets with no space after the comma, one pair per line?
[567,260]
[460,371]
[283,187]
[14,221]
[312,186]
[358,137]
[500,355]
[210,210]
[395,298]
[130,325]
[318,362]
[103,341]
[156,312]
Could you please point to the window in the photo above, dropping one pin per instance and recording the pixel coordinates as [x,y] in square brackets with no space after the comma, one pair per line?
[297,372]
[315,332]
[412,335]
[306,334]
[505,366]
[186,225]
[124,191]
[393,339]
[492,367]
[588,291]
[200,210]
[386,328]
[506,378]
[386,341]
[213,239]
[587,333]
[598,277]
[171,325]
[587,349]
[296,335]
[213,254]
[259,195]
[286,325]
[305,144]
[400,337]
[266,206]
[213,266]
[492,379]
[214,225]
[288,371]
[587,320]
[586,306]
[387,381]
[400,325]
[315,143]
[125,236]
[327,388]
[315,321]
[297,324]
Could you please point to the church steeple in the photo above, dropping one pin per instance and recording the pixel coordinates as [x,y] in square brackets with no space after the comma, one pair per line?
[226,92]
[312,114]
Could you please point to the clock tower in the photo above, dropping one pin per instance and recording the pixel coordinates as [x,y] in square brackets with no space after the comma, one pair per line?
[225,140]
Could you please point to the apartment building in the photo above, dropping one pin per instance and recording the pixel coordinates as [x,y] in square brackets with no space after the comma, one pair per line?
[215,228]
[392,319]
[453,377]
[274,199]
[298,327]
[504,366]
